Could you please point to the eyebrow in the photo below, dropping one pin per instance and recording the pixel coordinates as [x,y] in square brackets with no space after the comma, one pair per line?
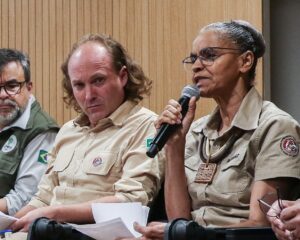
[11,81]
[75,80]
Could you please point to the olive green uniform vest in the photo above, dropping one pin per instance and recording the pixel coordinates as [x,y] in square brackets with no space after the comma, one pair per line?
[14,140]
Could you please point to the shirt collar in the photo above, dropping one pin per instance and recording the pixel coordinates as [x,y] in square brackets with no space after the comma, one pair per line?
[119,116]
[246,118]
[116,118]
[22,121]
[248,114]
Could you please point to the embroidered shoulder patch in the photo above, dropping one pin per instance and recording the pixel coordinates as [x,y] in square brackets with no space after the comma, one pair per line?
[289,146]
[43,157]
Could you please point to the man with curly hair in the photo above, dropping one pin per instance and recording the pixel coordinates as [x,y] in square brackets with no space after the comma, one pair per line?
[100,155]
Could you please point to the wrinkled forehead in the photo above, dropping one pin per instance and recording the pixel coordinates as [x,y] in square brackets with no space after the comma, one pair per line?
[11,70]
[211,38]
[89,52]
[89,55]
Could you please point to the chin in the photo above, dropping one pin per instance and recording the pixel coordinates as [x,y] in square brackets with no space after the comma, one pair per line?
[97,117]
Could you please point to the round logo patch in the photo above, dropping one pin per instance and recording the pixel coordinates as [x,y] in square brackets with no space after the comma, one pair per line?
[97,161]
[289,146]
[10,144]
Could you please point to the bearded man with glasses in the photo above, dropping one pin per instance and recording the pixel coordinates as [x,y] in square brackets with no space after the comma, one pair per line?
[27,133]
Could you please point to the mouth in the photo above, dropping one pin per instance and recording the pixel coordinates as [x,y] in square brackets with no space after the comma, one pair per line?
[93,107]
[6,107]
[198,79]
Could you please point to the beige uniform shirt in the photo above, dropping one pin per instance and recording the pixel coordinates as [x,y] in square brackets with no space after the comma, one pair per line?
[107,160]
[268,148]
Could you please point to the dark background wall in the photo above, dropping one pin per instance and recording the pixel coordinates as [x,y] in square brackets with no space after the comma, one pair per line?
[284,55]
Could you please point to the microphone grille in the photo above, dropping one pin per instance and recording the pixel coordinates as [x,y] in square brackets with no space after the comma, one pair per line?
[191,91]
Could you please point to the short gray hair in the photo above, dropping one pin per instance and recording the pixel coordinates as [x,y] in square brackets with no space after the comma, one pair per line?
[244,35]
[8,55]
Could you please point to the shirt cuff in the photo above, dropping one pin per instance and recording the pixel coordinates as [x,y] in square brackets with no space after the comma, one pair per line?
[37,203]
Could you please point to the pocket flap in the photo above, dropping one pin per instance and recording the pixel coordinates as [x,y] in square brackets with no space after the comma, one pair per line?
[64,161]
[7,166]
[233,159]
[192,160]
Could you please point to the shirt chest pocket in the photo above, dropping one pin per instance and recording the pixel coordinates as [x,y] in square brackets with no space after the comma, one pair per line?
[96,163]
[103,164]
[7,165]
[232,176]
[62,161]
[101,171]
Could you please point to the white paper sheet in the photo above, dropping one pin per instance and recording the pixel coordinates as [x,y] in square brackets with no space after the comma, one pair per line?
[6,220]
[108,230]
[114,220]
[128,212]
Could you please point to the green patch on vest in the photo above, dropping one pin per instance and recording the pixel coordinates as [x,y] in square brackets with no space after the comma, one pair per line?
[43,157]
[148,142]
[10,144]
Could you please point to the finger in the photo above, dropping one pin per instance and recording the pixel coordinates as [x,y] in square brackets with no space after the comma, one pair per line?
[20,225]
[279,224]
[281,234]
[166,118]
[290,212]
[154,223]
[286,203]
[175,104]
[296,233]
[190,115]
[290,235]
[174,111]
[174,114]
[170,115]
[153,231]
[16,226]
[137,227]
[292,223]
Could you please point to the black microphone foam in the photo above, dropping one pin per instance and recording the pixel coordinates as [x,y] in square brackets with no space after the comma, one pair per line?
[166,130]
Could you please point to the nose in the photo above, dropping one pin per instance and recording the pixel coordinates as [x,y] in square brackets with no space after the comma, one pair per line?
[89,93]
[197,66]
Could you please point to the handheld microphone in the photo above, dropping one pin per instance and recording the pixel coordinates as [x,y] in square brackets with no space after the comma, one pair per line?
[166,130]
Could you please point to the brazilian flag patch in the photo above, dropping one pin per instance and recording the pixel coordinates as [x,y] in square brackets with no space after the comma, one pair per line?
[43,157]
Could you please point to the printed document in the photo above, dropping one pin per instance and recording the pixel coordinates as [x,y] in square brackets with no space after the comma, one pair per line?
[114,220]
[6,220]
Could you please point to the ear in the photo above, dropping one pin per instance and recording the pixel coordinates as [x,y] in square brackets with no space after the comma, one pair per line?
[123,75]
[247,59]
[29,86]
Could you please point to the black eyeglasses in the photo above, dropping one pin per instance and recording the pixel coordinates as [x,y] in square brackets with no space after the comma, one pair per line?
[12,87]
[207,56]
[265,204]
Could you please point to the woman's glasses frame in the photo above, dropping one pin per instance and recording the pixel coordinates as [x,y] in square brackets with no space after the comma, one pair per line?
[207,56]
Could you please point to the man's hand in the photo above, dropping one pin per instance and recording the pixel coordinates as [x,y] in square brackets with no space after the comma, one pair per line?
[287,225]
[153,231]
[24,222]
